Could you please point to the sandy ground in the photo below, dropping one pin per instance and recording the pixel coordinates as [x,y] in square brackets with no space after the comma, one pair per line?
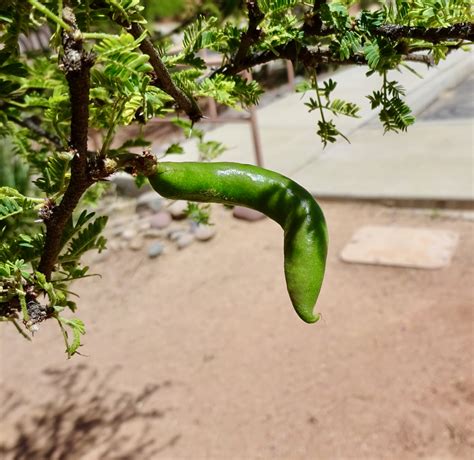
[199,355]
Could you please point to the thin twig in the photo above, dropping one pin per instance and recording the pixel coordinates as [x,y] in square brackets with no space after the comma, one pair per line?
[163,79]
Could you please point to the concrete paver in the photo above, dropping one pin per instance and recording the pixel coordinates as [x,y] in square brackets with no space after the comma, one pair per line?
[401,247]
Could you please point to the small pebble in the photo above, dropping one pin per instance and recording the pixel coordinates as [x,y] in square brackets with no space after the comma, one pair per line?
[251,215]
[149,201]
[160,220]
[155,249]
[153,233]
[136,244]
[128,234]
[204,232]
[178,208]
[174,234]
[125,185]
[184,240]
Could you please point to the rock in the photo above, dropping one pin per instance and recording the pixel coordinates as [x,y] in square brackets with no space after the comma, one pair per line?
[149,201]
[184,240]
[153,233]
[204,232]
[251,215]
[160,220]
[178,208]
[155,249]
[175,234]
[125,185]
[129,234]
[136,244]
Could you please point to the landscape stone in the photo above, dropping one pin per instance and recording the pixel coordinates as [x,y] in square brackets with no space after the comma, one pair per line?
[155,249]
[243,213]
[153,233]
[184,240]
[136,244]
[160,220]
[125,185]
[204,232]
[175,234]
[128,234]
[149,201]
[178,208]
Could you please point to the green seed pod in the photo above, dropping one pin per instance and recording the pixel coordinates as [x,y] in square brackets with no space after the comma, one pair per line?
[278,197]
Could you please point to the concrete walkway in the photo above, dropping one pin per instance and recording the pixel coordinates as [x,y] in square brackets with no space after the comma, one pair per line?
[433,161]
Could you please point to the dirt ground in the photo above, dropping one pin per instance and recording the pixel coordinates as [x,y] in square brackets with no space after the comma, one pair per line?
[199,355]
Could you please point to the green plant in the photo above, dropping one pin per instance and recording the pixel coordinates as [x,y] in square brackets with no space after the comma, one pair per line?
[104,72]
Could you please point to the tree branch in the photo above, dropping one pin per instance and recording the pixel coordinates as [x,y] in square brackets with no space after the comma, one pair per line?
[76,64]
[253,32]
[313,23]
[163,79]
[460,31]
[292,51]
[310,58]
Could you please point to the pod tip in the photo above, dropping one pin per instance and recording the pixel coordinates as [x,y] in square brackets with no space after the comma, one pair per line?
[311,318]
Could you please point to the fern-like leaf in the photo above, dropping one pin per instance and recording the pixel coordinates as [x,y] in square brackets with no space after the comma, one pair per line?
[88,238]
[12,202]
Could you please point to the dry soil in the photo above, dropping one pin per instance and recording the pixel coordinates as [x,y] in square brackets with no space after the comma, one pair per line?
[198,355]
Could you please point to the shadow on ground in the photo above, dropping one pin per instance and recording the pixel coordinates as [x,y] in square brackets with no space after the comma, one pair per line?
[88,418]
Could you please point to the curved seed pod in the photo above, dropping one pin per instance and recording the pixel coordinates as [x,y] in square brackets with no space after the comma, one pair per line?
[278,197]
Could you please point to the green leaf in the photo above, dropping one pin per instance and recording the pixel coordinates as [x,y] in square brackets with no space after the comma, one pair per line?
[372,54]
[88,238]
[77,328]
[174,148]
[56,173]
[340,107]
[210,150]
[13,202]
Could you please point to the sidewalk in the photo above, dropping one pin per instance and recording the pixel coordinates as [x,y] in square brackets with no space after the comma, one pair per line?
[433,161]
